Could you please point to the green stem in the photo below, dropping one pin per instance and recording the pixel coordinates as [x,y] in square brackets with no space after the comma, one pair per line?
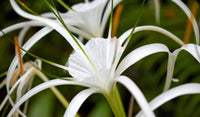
[115,103]
[3,74]
[65,5]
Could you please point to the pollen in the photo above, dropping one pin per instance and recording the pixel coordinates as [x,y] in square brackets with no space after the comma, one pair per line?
[17,47]
[190,21]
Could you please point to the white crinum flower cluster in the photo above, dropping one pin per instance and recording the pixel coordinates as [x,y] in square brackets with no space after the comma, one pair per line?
[98,64]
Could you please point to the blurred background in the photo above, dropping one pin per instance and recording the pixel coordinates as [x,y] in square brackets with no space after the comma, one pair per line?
[149,74]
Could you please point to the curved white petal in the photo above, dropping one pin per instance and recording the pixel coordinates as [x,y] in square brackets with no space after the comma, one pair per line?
[138,95]
[138,54]
[13,88]
[22,34]
[77,101]
[190,88]
[125,35]
[52,23]
[193,49]
[25,75]
[21,25]
[38,89]
[170,71]
[188,13]
[3,103]
[25,82]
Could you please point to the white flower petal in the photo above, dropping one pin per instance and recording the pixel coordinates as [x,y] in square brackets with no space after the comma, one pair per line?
[25,75]
[78,31]
[21,25]
[14,87]
[52,23]
[125,35]
[193,49]
[22,34]
[38,89]
[86,17]
[89,19]
[170,71]
[138,95]
[104,55]
[77,101]
[190,88]
[188,13]
[3,103]
[25,81]
[138,54]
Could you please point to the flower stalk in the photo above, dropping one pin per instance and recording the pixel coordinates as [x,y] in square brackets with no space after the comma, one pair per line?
[115,103]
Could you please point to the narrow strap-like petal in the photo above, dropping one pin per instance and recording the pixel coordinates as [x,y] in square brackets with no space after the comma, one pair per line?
[190,88]
[138,54]
[21,25]
[13,89]
[77,101]
[125,35]
[170,71]
[188,13]
[40,88]
[193,49]
[138,95]
[52,23]
[22,34]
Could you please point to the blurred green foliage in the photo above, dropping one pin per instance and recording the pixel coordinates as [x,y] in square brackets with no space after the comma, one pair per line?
[149,74]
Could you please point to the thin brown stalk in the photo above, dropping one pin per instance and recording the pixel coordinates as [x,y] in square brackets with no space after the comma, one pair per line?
[116,19]
[188,30]
[130,110]
[17,46]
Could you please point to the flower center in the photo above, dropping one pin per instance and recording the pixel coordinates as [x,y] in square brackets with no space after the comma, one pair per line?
[103,54]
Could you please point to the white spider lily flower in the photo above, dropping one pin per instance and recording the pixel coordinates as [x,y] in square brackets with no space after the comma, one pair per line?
[86,19]
[124,64]
[100,70]
[60,29]
[185,89]
[114,51]
[89,19]
[101,73]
